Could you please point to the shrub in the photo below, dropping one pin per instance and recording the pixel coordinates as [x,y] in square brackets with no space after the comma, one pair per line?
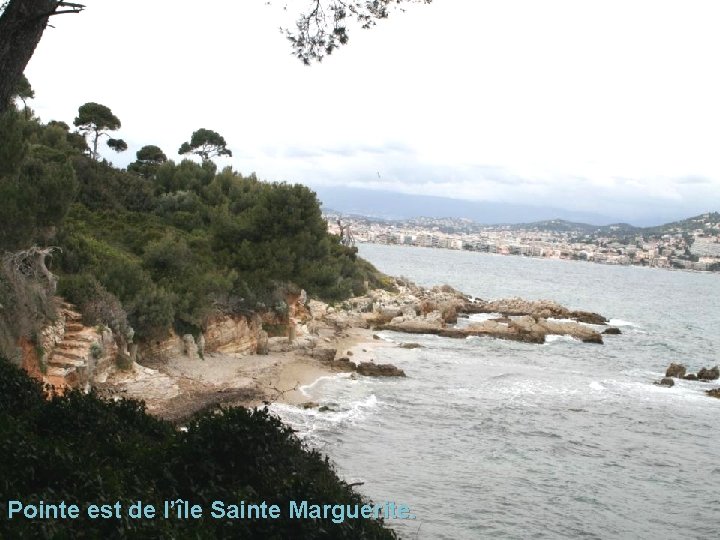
[80,449]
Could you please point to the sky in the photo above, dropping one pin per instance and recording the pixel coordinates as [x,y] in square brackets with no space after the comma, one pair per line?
[604,106]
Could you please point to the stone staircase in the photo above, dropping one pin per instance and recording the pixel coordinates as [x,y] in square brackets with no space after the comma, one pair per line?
[69,360]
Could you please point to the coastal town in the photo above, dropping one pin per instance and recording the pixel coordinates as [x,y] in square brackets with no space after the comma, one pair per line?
[691,244]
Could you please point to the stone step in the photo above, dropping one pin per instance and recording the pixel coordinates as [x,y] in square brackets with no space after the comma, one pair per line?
[71,353]
[74,327]
[54,371]
[76,336]
[73,344]
[71,317]
[66,362]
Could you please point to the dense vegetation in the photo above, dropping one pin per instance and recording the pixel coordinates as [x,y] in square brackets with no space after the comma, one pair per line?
[82,450]
[163,243]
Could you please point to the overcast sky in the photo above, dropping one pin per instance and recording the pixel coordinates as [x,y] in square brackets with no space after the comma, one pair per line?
[610,106]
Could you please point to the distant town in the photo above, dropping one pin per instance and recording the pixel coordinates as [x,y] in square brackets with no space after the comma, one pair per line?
[691,244]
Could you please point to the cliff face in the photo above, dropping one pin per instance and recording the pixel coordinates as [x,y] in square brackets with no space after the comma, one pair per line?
[233,334]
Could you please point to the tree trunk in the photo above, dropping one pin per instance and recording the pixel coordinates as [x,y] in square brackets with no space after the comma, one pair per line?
[21,27]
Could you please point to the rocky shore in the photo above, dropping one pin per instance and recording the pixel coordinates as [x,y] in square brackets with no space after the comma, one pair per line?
[679,371]
[256,358]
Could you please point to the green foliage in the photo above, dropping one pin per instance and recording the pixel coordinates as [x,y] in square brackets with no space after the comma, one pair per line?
[172,245]
[96,350]
[23,90]
[117,144]
[95,120]
[205,143]
[149,158]
[37,185]
[81,449]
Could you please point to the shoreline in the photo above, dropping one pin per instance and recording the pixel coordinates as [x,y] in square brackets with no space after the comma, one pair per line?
[182,387]
[327,340]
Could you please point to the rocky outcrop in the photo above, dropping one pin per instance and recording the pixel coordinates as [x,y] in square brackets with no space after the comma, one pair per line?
[379,370]
[706,374]
[666,381]
[612,331]
[238,334]
[526,329]
[690,377]
[539,309]
[675,370]
[715,392]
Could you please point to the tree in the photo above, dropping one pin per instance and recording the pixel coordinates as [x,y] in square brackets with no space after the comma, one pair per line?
[24,91]
[149,158]
[151,154]
[117,144]
[207,144]
[22,23]
[319,31]
[95,119]
[324,27]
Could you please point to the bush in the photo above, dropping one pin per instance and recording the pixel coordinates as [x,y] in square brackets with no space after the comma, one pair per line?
[80,449]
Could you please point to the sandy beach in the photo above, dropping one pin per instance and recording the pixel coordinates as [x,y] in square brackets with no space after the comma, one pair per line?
[182,386]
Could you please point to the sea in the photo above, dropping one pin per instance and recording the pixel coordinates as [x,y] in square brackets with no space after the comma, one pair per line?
[487,438]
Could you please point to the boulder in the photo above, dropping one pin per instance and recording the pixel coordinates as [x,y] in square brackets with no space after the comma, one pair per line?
[708,374]
[612,331]
[690,377]
[379,370]
[309,405]
[667,381]
[715,392]
[324,355]
[262,343]
[410,346]
[189,346]
[675,370]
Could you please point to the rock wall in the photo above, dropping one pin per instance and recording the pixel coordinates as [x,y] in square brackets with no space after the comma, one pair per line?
[233,334]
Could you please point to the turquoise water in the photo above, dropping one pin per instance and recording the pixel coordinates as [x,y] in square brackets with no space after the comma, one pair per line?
[496,439]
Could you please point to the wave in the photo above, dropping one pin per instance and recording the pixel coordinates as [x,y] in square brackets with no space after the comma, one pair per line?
[621,322]
[306,421]
[304,388]
[553,338]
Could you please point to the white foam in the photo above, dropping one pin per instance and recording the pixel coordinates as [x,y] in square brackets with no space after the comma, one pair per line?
[482,317]
[596,386]
[620,322]
[552,338]
[304,388]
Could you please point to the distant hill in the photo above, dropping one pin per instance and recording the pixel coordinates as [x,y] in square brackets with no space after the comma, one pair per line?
[561,225]
[402,206]
[707,221]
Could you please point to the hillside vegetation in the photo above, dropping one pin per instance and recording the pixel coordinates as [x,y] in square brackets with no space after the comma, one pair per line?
[163,244]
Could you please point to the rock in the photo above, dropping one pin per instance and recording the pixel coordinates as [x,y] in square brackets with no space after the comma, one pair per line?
[410,346]
[201,345]
[342,364]
[667,381]
[375,336]
[262,343]
[324,408]
[349,353]
[675,370]
[612,331]
[708,374]
[189,346]
[371,369]
[324,355]
[309,405]
[690,377]
[715,392]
